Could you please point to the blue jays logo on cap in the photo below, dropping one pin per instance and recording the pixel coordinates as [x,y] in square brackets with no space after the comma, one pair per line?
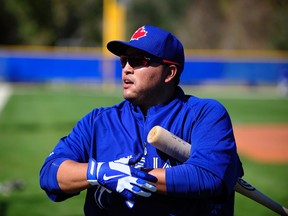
[139,34]
[153,41]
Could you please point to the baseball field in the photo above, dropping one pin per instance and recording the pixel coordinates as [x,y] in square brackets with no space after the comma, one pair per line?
[36,116]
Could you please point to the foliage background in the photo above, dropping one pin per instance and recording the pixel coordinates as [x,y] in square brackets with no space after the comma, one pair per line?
[200,24]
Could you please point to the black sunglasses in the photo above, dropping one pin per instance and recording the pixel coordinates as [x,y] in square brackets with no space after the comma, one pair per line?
[142,61]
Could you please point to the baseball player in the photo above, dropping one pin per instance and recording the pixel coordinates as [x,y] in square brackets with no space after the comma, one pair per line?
[107,152]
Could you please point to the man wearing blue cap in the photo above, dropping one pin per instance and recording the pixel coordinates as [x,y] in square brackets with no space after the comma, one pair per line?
[108,154]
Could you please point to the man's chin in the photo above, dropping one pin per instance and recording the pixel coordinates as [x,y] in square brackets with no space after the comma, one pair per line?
[130,98]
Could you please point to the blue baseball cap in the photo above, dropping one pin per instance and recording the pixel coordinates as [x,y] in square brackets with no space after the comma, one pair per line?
[154,41]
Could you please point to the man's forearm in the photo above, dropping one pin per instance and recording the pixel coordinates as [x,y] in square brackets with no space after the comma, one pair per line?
[71,176]
[160,174]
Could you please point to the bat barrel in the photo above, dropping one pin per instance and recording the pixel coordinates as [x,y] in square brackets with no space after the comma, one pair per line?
[180,150]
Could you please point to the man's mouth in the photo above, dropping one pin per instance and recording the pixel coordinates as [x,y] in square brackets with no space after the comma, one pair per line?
[127,83]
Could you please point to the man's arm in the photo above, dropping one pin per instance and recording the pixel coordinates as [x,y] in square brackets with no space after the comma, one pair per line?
[71,176]
[160,174]
[184,179]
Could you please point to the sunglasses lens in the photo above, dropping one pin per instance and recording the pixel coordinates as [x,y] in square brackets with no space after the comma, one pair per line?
[123,61]
[136,61]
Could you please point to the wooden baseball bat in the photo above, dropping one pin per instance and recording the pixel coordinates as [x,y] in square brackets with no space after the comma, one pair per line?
[179,149]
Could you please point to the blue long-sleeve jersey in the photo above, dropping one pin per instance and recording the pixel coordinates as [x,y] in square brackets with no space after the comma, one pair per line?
[203,185]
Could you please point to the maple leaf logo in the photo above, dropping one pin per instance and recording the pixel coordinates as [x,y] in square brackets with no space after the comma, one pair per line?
[139,34]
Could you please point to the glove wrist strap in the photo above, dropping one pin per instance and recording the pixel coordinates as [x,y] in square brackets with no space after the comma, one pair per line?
[92,172]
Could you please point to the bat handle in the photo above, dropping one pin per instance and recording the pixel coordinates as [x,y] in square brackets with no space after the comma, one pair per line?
[251,192]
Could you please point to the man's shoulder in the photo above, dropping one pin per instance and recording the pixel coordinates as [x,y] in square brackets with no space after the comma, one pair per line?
[106,110]
[120,106]
[196,101]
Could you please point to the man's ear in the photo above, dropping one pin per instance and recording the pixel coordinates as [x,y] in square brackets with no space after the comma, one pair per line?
[171,72]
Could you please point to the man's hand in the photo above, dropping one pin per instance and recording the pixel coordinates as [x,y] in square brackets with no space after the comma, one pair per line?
[120,177]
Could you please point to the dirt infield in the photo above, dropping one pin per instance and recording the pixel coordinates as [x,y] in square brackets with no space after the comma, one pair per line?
[263,143]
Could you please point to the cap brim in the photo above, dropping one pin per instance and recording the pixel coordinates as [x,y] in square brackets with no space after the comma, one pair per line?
[119,48]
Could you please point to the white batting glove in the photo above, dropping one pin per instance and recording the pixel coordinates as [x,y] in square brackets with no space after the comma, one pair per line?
[128,181]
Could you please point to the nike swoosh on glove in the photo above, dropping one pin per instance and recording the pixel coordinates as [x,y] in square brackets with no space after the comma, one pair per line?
[121,178]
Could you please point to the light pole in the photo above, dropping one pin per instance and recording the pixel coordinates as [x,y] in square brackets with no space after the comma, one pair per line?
[114,27]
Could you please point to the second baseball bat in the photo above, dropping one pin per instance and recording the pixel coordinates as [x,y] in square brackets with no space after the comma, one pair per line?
[179,149]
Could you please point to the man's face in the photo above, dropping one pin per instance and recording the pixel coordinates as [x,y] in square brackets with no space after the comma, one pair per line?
[142,85]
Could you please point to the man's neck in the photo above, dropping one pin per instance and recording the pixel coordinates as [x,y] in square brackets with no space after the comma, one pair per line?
[164,100]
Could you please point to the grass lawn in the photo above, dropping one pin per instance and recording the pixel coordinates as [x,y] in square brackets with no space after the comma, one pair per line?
[37,116]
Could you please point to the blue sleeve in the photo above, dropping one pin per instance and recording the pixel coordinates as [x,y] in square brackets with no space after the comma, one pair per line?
[202,184]
[214,165]
[48,180]
[73,147]
[213,144]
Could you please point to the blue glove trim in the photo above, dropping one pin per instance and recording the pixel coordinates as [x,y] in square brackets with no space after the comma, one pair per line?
[91,172]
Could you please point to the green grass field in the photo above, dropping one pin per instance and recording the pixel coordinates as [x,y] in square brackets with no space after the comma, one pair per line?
[37,116]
